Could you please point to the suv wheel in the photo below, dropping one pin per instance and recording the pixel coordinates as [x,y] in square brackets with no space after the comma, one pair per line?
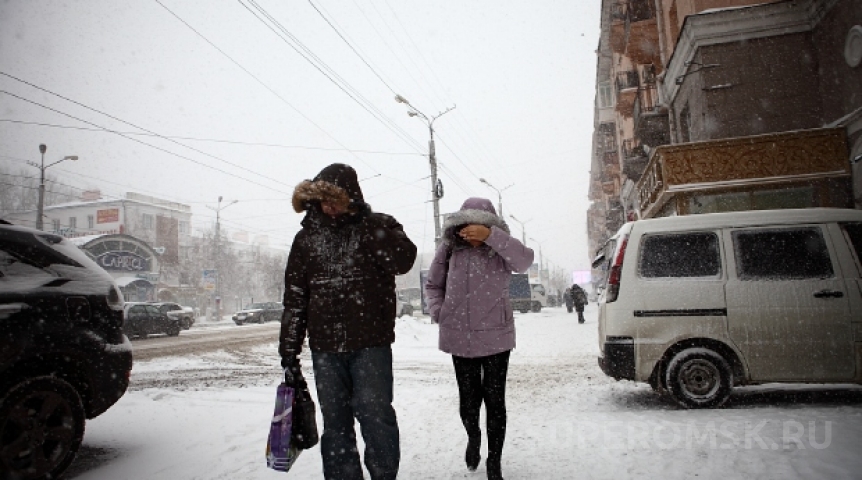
[173,329]
[699,378]
[41,427]
[187,323]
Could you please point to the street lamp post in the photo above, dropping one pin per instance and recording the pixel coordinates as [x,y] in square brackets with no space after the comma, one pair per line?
[523,230]
[541,263]
[218,210]
[42,167]
[432,159]
[499,195]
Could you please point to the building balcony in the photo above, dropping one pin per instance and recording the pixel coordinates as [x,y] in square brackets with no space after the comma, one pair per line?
[618,27]
[627,83]
[634,160]
[651,124]
[681,175]
[641,32]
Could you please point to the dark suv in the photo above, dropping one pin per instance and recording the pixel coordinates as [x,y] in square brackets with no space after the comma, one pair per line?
[63,355]
[144,319]
[259,313]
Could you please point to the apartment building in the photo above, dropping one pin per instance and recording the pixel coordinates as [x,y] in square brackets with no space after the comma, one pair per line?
[725,105]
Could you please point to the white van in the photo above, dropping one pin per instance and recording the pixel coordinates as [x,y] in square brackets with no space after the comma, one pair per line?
[695,305]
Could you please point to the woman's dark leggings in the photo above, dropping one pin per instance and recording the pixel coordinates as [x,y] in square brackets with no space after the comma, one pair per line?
[484,378]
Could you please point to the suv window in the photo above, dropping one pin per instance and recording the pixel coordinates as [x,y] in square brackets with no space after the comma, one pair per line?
[785,254]
[854,232]
[680,255]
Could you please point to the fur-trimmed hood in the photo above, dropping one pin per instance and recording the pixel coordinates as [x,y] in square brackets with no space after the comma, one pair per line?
[336,183]
[474,210]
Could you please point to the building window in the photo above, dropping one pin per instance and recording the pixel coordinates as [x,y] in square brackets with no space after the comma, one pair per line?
[56,224]
[147,222]
[184,228]
[90,222]
[605,99]
[73,223]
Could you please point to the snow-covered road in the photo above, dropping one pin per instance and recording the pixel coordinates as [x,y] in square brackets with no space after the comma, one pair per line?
[207,416]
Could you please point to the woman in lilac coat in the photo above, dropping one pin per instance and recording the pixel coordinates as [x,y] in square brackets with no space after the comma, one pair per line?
[468,296]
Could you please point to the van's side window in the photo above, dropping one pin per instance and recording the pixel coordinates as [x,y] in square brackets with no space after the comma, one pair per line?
[785,254]
[680,255]
[854,231]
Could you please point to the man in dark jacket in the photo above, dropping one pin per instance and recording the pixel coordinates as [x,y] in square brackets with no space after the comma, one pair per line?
[579,296]
[340,289]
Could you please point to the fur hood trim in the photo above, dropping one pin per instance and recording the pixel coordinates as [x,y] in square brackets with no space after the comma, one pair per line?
[310,191]
[467,216]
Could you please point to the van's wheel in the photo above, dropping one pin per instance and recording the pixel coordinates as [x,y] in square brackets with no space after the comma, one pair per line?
[408,310]
[536,307]
[41,427]
[525,310]
[699,378]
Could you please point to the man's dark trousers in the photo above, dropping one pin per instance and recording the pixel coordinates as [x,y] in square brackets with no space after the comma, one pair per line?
[357,384]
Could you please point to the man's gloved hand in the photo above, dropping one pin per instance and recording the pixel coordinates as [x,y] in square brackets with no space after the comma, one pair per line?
[293,374]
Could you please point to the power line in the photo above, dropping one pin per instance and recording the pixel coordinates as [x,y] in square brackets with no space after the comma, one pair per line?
[141,142]
[264,85]
[138,127]
[198,139]
[320,66]
[361,57]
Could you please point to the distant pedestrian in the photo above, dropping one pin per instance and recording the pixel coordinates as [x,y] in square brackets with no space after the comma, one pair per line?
[570,302]
[340,289]
[579,297]
[467,291]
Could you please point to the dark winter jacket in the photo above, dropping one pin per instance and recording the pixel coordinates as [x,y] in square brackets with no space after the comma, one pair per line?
[468,287]
[340,275]
[579,295]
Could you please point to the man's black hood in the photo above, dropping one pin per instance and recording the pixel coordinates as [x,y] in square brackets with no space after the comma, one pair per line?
[337,184]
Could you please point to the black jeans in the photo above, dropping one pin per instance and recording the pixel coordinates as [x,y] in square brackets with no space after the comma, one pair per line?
[484,378]
[357,384]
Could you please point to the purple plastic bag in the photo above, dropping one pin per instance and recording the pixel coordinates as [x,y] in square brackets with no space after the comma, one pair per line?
[280,454]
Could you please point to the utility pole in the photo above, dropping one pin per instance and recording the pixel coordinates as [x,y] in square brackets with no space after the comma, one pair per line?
[499,195]
[41,206]
[436,188]
[523,230]
[540,258]
[217,262]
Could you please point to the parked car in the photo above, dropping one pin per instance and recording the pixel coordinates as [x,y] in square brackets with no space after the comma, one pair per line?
[259,313]
[144,319]
[63,355]
[186,315]
[695,305]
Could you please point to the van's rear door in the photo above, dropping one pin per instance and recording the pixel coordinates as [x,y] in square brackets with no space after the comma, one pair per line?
[787,304]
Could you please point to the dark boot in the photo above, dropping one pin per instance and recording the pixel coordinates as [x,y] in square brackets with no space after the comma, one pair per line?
[494,470]
[472,456]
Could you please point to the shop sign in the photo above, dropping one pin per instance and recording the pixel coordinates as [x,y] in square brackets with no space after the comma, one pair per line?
[208,279]
[109,215]
[124,261]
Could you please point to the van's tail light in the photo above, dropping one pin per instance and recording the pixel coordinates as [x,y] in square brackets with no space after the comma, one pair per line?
[616,271]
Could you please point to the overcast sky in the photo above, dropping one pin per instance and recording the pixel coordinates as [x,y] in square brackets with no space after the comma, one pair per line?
[520,73]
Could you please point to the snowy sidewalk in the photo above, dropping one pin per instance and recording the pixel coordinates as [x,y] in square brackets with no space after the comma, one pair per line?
[566,420]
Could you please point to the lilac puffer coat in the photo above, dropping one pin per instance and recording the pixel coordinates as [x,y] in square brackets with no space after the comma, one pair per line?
[470,299]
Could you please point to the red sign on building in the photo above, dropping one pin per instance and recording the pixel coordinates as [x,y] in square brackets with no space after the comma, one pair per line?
[110,215]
